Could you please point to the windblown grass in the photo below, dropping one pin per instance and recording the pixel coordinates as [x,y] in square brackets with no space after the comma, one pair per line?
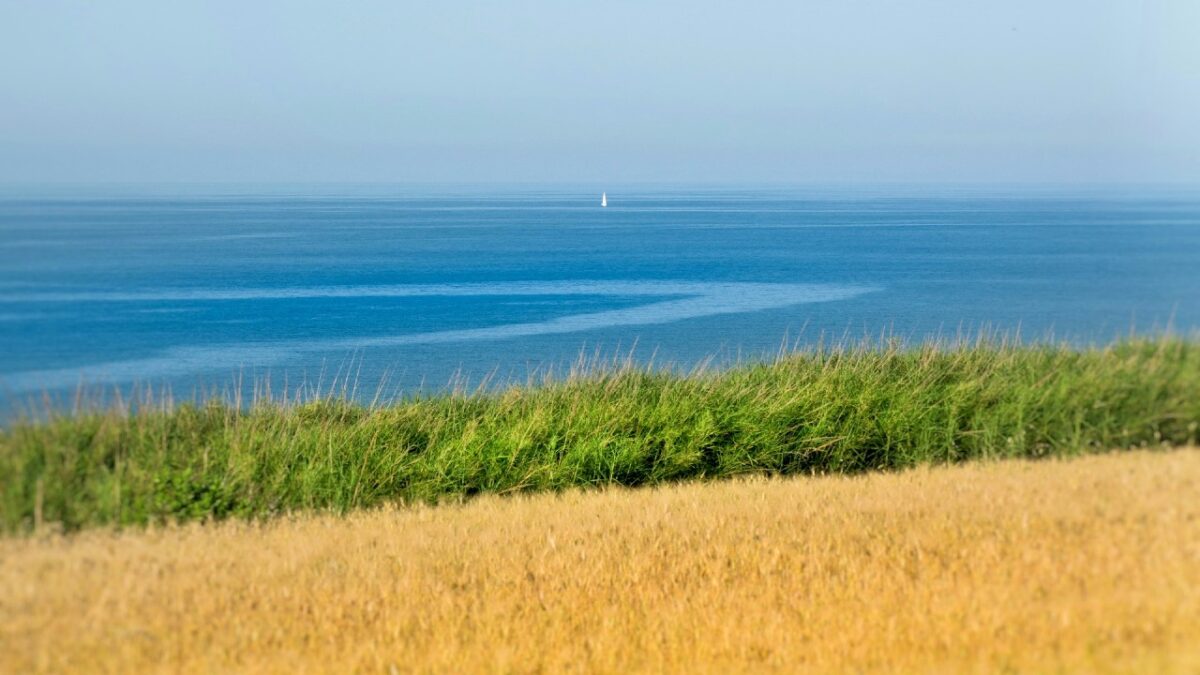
[1084,566]
[840,409]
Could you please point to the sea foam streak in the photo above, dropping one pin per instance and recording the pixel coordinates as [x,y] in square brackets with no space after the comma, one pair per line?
[518,288]
[696,300]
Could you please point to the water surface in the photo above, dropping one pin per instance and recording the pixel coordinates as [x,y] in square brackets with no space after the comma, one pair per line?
[192,286]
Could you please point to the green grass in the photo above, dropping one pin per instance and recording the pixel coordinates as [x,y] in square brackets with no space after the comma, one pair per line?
[842,409]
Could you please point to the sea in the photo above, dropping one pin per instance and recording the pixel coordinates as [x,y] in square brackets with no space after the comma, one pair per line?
[406,290]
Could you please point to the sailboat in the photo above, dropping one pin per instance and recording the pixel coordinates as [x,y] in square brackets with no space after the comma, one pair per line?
[603,199]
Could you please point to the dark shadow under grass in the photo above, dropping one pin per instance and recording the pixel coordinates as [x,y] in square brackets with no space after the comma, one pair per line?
[843,409]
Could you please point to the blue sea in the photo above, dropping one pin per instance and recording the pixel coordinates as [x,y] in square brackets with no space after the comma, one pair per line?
[196,287]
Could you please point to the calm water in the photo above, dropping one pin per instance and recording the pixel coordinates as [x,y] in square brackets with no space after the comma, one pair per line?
[193,287]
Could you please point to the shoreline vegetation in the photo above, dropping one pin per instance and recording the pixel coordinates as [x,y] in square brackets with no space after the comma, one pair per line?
[1081,565]
[839,409]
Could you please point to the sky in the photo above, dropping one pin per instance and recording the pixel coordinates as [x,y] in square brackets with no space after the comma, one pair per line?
[578,91]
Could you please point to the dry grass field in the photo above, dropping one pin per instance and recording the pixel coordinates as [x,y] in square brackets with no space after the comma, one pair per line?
[1085,565]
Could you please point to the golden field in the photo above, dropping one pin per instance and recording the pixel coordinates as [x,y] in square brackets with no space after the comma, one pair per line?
[1085,565]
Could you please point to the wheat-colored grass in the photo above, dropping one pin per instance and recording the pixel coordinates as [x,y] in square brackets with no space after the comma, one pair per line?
[1090,564]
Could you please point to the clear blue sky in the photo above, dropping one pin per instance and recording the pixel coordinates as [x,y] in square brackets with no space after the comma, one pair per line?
[826,91]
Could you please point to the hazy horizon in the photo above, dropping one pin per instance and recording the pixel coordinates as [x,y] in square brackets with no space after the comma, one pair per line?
[536,92]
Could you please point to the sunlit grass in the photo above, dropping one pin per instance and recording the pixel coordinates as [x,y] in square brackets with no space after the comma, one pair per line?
[846,408]
[1086,565]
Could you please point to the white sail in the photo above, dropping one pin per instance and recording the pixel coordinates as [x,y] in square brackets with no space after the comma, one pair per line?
[603,199]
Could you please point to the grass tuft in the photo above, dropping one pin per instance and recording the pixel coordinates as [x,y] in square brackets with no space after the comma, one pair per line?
[840,409]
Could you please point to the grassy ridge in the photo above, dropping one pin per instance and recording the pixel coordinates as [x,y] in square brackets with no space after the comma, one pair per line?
[844,409]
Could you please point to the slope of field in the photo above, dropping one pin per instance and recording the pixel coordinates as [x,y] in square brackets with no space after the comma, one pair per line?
[1090,564]
[843,409]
